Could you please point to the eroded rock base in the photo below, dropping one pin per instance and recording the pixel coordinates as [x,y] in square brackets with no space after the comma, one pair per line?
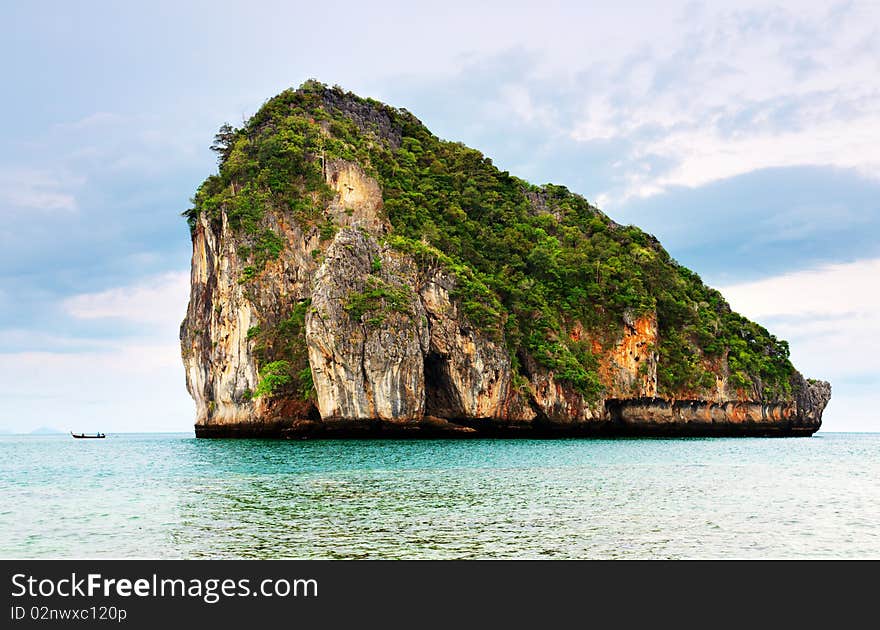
[430,428]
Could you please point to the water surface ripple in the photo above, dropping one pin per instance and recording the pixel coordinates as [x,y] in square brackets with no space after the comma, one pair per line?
[172,496]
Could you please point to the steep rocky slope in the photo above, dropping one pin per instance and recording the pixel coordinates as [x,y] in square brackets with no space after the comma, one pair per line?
[353,274]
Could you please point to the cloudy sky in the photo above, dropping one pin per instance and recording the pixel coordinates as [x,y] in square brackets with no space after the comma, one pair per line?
[745,136]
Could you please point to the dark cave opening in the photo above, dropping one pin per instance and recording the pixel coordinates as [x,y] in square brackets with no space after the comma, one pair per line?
[439,399]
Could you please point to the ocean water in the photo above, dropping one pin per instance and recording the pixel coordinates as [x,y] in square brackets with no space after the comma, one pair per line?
[172,496]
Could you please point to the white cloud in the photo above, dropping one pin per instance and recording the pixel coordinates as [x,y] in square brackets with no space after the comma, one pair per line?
[104,144]
[835,290]
[598,121]
[157,300]
[18,338]
[37,190]
[730,91]
[518,101]
[93,121]
[703,155]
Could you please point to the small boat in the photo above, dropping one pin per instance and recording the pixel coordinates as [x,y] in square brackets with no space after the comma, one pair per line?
[93,436]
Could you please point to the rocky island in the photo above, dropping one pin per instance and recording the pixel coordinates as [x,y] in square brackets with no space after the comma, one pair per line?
[354,275]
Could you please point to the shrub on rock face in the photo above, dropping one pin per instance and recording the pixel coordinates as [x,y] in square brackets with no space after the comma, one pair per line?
[274,377]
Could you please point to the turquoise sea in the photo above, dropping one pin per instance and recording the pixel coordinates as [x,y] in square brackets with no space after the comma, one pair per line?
[172,496]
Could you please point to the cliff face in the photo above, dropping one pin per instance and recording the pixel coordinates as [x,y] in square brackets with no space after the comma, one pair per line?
[311,318]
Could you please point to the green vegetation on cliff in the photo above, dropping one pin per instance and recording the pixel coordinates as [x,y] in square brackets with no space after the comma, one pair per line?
[530,262]
[377,298]
[283,356]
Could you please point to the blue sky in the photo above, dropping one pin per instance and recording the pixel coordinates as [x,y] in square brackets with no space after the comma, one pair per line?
[744,135]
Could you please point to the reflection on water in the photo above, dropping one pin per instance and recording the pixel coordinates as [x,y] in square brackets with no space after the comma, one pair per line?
[174,496]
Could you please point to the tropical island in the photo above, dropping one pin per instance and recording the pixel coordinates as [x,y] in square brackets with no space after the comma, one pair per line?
[355,275]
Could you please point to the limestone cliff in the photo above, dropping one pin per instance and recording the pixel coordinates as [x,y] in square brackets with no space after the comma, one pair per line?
[315,310]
